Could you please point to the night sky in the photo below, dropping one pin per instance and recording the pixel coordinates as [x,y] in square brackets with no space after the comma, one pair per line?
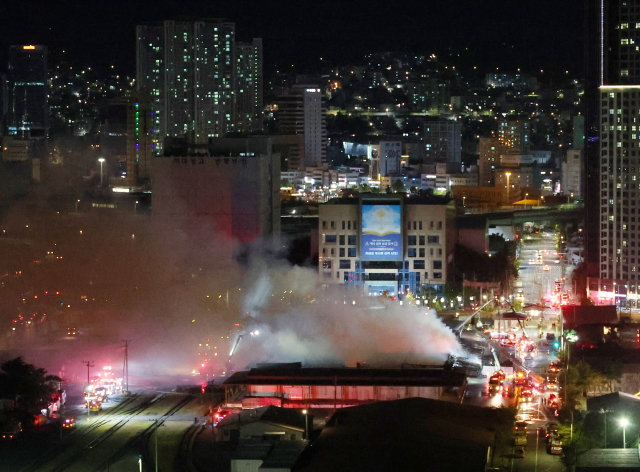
[530,34]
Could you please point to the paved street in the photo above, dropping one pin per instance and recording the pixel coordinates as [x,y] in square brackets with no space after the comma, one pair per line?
[540,268]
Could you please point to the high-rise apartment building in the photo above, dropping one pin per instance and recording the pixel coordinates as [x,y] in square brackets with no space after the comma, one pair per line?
[201,83]
[619,199]
[301,110]
[443,142]
[249,97]
[489,150]
[513,133]
[26,109]
[125,139]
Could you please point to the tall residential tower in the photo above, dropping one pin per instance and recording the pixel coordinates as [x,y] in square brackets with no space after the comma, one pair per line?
[200,82]
[27,109]
[619,200]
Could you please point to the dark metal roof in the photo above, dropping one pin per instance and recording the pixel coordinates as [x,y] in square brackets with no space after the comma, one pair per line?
[411,434]
[608,459]
[348,377]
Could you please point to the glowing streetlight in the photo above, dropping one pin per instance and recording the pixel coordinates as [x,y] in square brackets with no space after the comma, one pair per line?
[507,175]
[306,427]
[624,423]
[77,201]
[101,161]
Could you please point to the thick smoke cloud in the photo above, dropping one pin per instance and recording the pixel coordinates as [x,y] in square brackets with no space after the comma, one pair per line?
[298,320]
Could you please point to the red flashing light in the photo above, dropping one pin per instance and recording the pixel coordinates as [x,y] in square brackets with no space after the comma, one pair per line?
[517,236]
[57,293]
[236,324]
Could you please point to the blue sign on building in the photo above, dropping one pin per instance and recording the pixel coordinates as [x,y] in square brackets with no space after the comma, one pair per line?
[381,232]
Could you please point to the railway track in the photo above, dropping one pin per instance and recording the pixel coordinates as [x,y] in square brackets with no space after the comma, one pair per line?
[69,439]
[141,440]
[122,414]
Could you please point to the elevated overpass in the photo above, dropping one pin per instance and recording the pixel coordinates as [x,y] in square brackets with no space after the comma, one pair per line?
[568,212]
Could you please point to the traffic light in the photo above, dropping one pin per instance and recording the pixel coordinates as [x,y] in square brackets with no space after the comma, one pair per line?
[556,345]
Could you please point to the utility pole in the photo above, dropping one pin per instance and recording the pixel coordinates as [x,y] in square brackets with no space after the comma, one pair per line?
[157,425]
[89,364]
[125,367]
[463,299]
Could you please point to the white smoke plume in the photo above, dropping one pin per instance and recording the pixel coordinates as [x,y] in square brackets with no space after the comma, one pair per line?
[298,320]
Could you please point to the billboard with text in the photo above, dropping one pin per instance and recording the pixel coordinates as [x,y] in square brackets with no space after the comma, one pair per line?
[381,232]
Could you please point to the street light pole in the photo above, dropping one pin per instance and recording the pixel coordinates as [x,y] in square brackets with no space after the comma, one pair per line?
[77,201]
[624,423]
[306,426]
[508,174]
[101,161]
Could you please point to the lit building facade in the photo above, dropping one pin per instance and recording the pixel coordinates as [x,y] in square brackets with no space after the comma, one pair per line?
[443,141]
[489,150]
[385,243]
[513,133]
[197,81]
[27,110]
[619,171]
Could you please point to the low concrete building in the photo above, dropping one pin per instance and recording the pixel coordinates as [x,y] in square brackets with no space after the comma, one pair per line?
[256,455]
[386,243]
[268,422]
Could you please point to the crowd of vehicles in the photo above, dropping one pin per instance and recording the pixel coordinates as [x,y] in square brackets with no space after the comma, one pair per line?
[97,391]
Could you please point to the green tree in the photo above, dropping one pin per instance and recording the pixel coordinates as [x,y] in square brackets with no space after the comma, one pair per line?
[30,387]
[398,186]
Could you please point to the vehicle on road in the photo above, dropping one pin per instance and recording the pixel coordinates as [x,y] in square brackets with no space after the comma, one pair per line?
[69,423]
[526,395]
[546,268]
[520,379]
[551,337]
[555,446]
[498,376]
[95,405]
[551,431]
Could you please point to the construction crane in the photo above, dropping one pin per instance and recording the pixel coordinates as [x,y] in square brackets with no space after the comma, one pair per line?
[235,345]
